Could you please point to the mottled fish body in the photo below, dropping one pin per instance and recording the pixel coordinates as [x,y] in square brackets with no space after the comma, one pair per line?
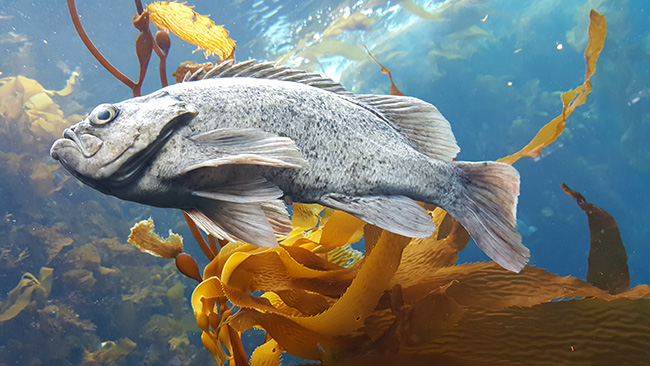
[228,146]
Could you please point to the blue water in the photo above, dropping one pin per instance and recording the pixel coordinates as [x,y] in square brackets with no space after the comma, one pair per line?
[496,87]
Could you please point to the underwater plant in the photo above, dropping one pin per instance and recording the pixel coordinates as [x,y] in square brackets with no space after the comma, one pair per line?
[29,120]
[22,295]
[608,269]
[168,16]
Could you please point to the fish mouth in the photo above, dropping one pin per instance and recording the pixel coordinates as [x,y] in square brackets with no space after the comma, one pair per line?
[69,140]
[86,144]
[69,151]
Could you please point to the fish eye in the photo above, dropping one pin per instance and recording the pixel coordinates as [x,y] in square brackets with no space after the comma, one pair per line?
[102,114]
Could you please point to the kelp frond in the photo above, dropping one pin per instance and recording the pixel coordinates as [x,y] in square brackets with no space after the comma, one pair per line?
[571,99]
[145,238]
[191,27]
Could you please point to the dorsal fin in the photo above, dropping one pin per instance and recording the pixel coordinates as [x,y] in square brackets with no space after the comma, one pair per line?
[420,122]
[266,70]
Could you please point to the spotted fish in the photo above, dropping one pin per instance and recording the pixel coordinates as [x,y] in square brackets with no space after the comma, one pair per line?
[231,146]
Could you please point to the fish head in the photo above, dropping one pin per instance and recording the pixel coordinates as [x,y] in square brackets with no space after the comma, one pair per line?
[117,141]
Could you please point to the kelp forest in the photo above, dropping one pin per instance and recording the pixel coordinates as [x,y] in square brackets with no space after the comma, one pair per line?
[84,290]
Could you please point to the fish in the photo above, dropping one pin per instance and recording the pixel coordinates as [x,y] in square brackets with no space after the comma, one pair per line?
[233,145]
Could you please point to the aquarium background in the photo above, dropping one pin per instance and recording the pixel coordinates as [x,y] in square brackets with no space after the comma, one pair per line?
[495,69]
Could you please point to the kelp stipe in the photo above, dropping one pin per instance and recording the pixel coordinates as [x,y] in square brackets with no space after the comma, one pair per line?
[178,18]
[145,43]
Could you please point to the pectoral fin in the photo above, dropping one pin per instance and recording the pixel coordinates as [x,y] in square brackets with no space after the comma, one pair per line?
[398,214]
[247,146]
[243,191]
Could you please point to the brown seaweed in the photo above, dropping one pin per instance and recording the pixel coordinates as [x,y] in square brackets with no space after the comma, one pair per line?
[384,70]
[168,16]
[21,296]
[608,267]
[426,301]
[145,238]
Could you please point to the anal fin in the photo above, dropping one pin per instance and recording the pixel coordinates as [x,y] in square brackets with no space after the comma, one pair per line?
[398,214]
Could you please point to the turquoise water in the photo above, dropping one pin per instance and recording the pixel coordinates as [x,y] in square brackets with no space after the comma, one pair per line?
[495,69]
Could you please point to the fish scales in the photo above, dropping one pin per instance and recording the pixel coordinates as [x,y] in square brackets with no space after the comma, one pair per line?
[339,140]
[228,146]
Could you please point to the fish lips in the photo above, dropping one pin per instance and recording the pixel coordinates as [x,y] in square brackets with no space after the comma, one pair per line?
[73,149]
[86,144]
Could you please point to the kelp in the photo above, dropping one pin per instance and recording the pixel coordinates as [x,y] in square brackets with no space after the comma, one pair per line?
[571,99]
[22,295]
[607,260]
[28,110]
[406,297]
[416,9]
[169,16]
[52,238]
[145,44]
[190,67]
[191,27]
[30,119]
[586,331]
[55,318]
[331,47]
[354,22]
[145,238]
[393,87]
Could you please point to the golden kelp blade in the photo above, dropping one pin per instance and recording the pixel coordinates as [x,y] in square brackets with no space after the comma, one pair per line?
[342,228]
[570,99]
[608,267]
[144,237]
[267,354]
[191,27]
[275,269]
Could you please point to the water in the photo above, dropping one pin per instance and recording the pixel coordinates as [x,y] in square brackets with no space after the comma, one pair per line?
[494,69]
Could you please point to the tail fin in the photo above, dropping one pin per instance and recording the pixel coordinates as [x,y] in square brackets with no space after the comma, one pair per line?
[488,211]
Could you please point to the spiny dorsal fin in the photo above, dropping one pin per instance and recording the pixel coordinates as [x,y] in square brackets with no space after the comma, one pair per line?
[266,70]
[420,122]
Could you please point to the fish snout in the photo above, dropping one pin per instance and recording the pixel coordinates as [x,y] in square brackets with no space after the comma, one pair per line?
[69,141]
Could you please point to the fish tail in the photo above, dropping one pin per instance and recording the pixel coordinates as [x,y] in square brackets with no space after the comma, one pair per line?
[487,209]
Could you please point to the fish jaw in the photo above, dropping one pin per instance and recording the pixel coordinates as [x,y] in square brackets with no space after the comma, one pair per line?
[71,156]
[77,152]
